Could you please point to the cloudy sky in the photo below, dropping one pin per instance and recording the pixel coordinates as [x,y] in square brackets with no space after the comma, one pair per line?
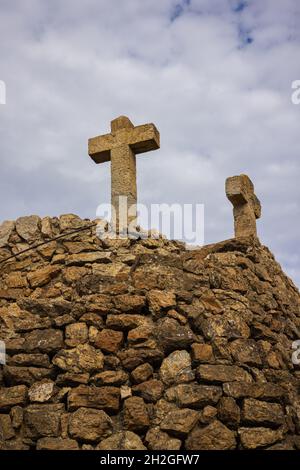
[213,75]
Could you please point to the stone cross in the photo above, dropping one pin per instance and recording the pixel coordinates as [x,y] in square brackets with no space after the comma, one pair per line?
[246,206]
[120,147]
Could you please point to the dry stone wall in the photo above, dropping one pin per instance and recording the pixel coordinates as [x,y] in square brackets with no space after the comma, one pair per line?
[144,344]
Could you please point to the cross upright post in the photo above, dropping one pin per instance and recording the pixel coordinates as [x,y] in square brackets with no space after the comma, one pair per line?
[121,147]
[246,206]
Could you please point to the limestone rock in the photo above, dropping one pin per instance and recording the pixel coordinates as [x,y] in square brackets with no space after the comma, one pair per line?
[6,429]
[150,391]
[136,417]
[109,341]
[41,391]
[202,353]
[28,227]
[180,422]
[222,373]
[193,395]
[16,415]
[43,276]
[262,413]
[6,229]
[83,358]
[161,300]
[75,334]
[215,436]
[43,420]
[132,358]
[56,443]
[142,373]
[26,375]
[229,412]
[90,425]
[110,377]
[124,440]
[176,368]
[102,398]
[253,438]
[44,341]
[158,440]
[83,258]
[262,390]
[12,396]
[129,303]
[173,336]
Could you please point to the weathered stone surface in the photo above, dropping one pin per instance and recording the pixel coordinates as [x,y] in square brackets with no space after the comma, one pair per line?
[124,440]
[18,320]
[229,412]
[158,440]
[36,360]
[132,358]
[262,413]
[202,353]
[253,438]
[150,391]
[102,398]
[246,352]
[56,443]
[226,309]
[6,229]
[43,276]
[12,396]
[228,325]
[90,425]
[222,373]
[215,436]
[75,334]
[110,377]
[173,336]
[44,341]
[6,429]
[26,375]
[129,303]
[109,341]
[176,368]
[16,415]
[83,358]
[43,420]
[84,258]
[135,415]
[28,227]
[142,373]
[194,396]
[180,422]
[159,300]
[253,390]
[125,322]
[41,391]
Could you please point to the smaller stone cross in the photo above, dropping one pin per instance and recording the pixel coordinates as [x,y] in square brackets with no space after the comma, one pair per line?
[120,147]
[246,206]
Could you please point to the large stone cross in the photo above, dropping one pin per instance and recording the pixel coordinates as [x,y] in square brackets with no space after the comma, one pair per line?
[246,206]
[120,147]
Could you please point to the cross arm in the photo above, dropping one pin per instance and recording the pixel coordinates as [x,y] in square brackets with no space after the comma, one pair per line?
[144,138]
[100,147]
